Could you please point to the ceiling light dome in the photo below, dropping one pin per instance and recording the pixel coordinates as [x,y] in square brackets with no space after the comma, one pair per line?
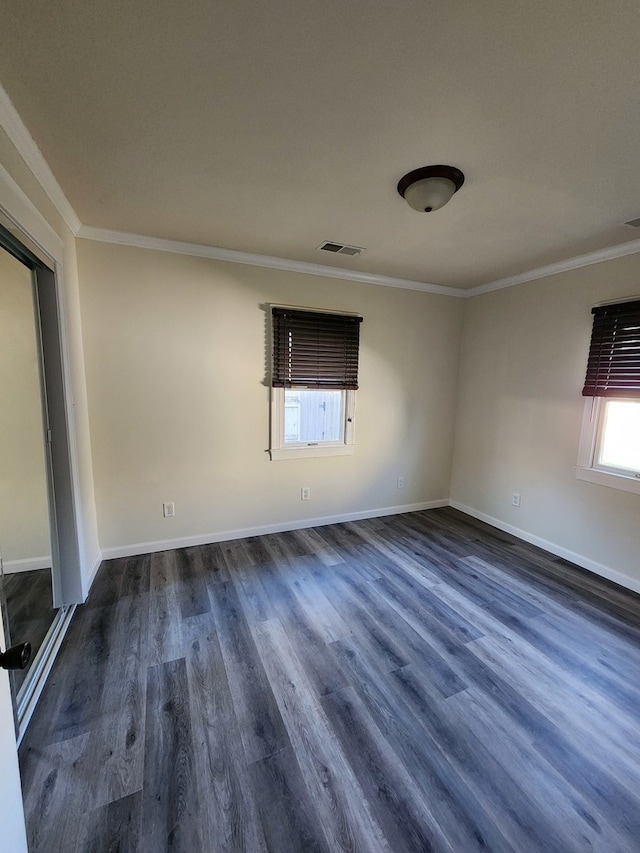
[430,187]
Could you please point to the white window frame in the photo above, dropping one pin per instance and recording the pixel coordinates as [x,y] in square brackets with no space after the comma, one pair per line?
[588,467]
[308,449]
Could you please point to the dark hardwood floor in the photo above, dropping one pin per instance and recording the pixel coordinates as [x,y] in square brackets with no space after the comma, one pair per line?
[420,682]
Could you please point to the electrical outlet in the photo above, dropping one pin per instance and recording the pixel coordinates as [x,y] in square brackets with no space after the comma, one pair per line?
[169,509]
[515,499]
[305,493]
[400,482]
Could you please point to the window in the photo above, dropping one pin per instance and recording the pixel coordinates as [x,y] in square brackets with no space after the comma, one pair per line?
[314,378]
[610,441]
[619,445]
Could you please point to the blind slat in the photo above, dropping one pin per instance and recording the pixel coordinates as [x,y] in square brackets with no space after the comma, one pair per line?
[613,367]
[315,349]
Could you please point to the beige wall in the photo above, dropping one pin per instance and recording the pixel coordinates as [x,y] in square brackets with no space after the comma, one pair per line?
[176,355]
[24,513]
[519,415]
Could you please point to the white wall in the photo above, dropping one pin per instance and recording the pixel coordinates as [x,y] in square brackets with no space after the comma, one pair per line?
[176,354]
[523,360]
[24,512]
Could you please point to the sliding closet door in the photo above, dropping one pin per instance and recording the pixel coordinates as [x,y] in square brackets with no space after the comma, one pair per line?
[38,524]
[27,543]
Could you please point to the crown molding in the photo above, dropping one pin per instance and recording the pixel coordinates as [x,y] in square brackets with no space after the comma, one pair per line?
[232,256]
[632,247]
[17,132]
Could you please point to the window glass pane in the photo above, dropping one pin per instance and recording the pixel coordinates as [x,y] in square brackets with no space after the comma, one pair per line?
[620,445]
[311,416]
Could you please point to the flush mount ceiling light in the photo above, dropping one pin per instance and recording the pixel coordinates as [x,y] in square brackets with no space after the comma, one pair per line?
[430,187]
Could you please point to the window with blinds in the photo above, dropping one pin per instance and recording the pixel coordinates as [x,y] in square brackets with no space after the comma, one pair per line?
[610,440]
[315,350]
[613,367]
[314,378]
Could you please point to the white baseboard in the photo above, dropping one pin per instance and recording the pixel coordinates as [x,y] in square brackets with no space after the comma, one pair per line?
[580,560]
[93,571]
[29,564]
[280,527]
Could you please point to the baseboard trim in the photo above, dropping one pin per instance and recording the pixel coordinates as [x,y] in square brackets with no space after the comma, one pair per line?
[580,560]
[29,564]
[93,571]
[138,548]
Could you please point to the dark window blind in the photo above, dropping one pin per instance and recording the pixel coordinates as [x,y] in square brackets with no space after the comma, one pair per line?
[613,369]
[314,349]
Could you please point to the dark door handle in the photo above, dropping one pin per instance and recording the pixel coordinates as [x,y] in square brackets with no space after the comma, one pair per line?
[17,657]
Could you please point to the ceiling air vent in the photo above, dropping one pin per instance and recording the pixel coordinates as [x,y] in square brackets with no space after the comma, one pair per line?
[340,248]
[634,223]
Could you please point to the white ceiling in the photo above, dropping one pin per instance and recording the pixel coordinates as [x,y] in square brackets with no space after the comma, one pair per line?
[268,127]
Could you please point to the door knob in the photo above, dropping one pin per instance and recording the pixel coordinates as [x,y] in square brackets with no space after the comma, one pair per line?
[17,657]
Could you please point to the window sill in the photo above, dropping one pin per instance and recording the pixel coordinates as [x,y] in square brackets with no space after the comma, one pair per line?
[607,478]
[278,454]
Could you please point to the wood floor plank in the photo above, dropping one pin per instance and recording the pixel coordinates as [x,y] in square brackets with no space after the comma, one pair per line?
[191,592]
[399,804]
[255,548]
[388,653]
[261,727]
[88,650]
[247,582]
[396,551]
[556,695]
[573,816]
[288,817]
[455,808]
[567,652]
[471,610]
[113,828]
[574,762]
[616,657]
[214,562]
[496,791]
[119,749]
[170,792]
[105,590]
[165,633]
[425,605]
[416,648]
[343,811]
[228,814]
[56,797]
[342,542]
[316,545]
[320,611]
[302,629]
[502,603]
